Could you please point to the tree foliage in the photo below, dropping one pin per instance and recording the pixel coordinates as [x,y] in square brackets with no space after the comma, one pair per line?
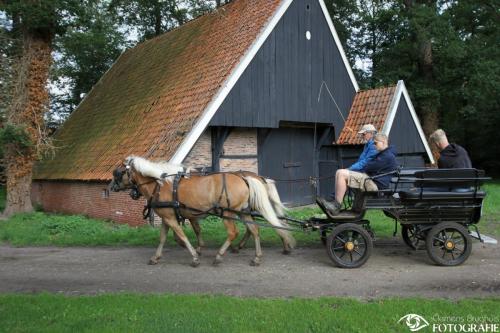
[83,54]
[446,52]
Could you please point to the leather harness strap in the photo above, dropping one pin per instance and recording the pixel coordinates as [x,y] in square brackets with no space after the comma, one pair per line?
[176,205]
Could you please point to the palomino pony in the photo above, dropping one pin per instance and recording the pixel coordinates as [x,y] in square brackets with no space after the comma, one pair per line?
[197,194]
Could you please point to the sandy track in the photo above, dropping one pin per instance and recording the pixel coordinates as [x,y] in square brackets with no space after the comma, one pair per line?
[393,270]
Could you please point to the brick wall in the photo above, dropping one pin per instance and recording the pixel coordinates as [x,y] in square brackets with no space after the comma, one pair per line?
[240,151]
[87,198]
[201,154]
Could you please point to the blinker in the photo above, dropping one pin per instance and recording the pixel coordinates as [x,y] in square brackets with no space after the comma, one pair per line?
[134,194]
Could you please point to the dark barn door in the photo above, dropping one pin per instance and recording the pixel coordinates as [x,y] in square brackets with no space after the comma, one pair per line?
[288,154]
[328,165]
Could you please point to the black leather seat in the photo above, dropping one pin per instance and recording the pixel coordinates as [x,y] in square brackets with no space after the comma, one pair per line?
[439,184]
[438,195]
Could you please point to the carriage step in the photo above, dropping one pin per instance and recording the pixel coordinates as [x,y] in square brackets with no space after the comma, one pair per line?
[485,239]
[345,215]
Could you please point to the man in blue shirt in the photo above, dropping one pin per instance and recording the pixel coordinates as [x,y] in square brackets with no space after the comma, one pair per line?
[369,152]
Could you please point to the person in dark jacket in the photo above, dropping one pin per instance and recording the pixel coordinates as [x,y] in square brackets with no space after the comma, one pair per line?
[452,156]
[383,162]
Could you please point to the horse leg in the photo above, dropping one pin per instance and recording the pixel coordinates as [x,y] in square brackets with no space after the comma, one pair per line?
[180,233]
[197,231]
[254,230]
[163,238]
[245,238]
[286,247]
[232,233]
[178,240]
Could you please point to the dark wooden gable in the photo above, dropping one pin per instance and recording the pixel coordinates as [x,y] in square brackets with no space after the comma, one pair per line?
[404,135]
[283,81]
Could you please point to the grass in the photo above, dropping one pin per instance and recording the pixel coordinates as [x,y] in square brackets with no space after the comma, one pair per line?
[40,228]
[491,210]
[191,313]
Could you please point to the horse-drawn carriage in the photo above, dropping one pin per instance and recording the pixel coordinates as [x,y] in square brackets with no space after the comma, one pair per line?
[438,207]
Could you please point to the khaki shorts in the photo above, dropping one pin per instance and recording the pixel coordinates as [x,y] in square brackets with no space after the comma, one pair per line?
[359,180]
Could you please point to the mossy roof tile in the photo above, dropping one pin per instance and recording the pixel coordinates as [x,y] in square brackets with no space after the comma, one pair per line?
[155,92]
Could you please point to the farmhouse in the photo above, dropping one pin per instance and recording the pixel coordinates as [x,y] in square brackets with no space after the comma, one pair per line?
[261,85]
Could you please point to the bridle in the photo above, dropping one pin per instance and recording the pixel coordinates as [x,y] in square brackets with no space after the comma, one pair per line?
[133,186]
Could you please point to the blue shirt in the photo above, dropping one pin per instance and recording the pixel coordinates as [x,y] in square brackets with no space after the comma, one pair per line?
[367,155]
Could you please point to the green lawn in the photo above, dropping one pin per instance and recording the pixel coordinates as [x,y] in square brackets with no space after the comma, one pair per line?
[41,228]
[191,313]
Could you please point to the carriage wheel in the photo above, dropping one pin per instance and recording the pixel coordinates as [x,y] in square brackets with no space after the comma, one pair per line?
[410,237]
[448,244]
[349,245]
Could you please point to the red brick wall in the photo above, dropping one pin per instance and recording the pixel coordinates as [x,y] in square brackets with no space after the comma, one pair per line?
[77,197]
[241,142]
[86,198]
[201,154]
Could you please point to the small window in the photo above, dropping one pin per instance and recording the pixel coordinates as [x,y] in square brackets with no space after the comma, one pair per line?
[308,7]
[308,35]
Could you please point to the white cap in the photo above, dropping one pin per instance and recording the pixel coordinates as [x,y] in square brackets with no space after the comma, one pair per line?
[367,128]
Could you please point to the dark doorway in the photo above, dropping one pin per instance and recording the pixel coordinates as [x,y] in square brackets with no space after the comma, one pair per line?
[287,155]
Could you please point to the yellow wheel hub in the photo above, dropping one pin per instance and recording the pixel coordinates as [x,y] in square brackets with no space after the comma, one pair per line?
[450,245]
[349,246]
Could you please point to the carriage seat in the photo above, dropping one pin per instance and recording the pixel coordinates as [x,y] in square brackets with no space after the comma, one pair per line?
[450,184]
[416,194]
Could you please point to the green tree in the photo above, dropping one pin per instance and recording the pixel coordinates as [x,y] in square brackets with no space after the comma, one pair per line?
[84,53]
[470,76]
[150,18]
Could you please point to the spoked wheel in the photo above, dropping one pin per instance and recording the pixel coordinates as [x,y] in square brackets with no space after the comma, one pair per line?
[349,245]
[410,237]
[448,244]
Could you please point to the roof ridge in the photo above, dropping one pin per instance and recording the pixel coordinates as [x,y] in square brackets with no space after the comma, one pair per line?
[378,88]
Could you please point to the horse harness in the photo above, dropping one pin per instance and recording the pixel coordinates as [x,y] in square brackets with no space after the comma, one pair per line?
[176,205]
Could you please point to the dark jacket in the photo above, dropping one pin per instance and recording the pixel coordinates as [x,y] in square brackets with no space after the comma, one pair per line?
[369,151]
[453,157]
[383,162]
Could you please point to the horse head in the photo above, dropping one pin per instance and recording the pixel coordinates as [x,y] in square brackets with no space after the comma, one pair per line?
[122,178]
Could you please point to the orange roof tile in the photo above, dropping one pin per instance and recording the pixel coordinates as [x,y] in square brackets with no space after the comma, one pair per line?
[369,107]
[154,93]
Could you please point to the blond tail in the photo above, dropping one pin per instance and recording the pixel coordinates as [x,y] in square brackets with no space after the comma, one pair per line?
[274,196]
[259,201]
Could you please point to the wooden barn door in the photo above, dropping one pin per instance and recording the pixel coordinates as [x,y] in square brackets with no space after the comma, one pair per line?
[287,154]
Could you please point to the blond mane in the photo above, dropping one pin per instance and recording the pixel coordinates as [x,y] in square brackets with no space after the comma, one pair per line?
[153,169]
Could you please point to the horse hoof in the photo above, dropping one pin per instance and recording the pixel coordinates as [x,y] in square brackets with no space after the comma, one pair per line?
[198,250]
[255,262]
[195,263]
[286,252]
[217,261]
[152,261]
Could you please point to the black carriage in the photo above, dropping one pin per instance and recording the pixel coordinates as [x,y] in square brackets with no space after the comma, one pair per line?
[436,208]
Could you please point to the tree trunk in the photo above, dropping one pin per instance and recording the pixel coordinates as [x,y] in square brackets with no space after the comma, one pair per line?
[429,112]
[158,18]
[28,107]
[428,101]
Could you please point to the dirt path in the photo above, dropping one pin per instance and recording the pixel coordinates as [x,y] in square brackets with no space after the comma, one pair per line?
[393,270]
